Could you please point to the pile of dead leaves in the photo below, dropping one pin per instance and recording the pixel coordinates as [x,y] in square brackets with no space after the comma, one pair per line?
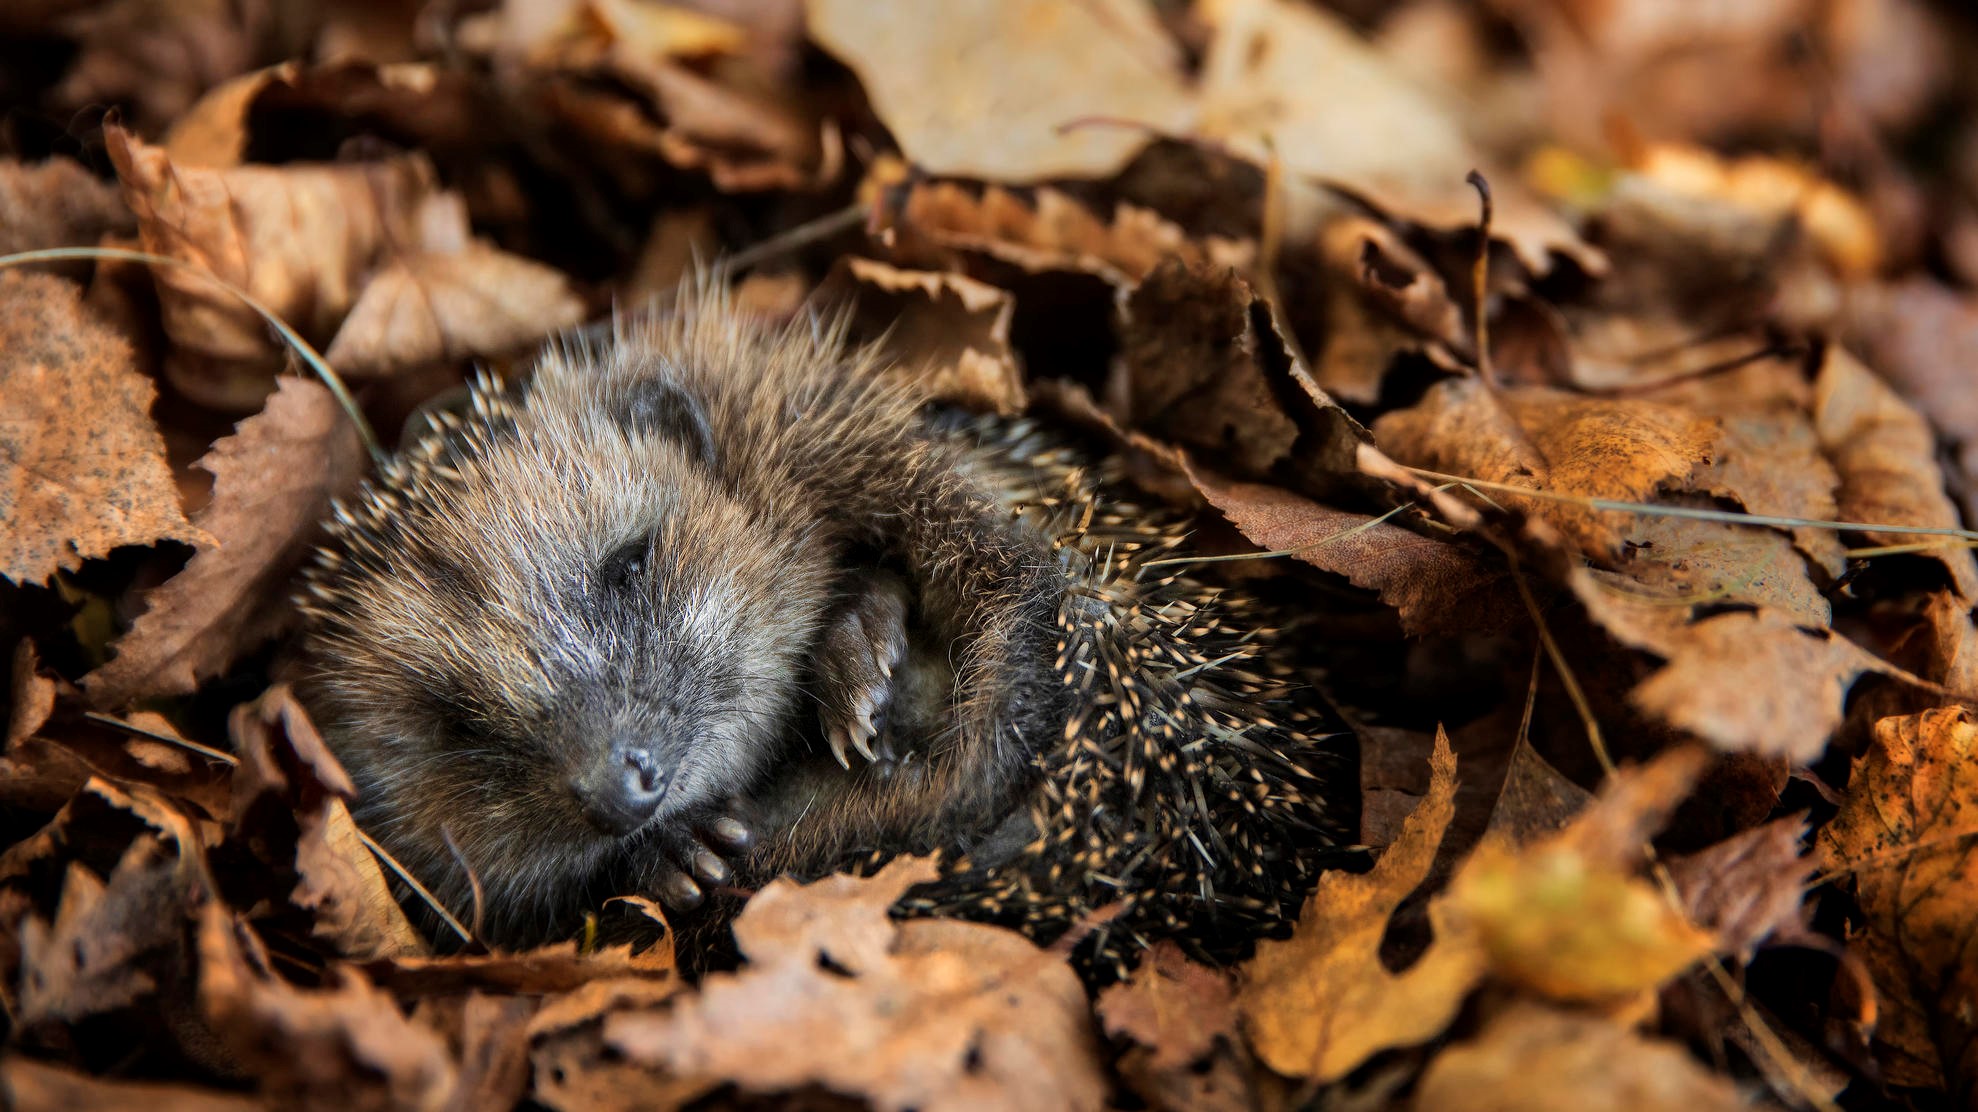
[1669,780]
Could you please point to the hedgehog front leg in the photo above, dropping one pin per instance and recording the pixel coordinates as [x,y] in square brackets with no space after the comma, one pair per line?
[855,667]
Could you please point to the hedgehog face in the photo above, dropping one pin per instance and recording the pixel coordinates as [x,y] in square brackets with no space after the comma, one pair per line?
[557,633]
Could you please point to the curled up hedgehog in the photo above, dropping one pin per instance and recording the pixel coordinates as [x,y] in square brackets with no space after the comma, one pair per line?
[709,600]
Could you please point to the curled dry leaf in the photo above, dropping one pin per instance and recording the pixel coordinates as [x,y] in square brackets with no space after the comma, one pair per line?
[1534,1058]
[1908,834]
[1293,82]
[1748,887]
[301,239]
[100,952]
[82,468]
[262,519]
[453,298]
[955,330]
[1566,916]
[1319,1003]
[1435,586]
[1180,1021]
[1012,91]
[1203,365]
[338,1047]
[836,995]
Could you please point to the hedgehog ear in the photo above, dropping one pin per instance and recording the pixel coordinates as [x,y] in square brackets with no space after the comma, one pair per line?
[657,407]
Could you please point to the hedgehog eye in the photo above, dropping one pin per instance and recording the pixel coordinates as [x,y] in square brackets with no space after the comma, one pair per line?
[623,569]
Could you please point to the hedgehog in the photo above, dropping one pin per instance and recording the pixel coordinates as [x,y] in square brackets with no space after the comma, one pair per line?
[709,599]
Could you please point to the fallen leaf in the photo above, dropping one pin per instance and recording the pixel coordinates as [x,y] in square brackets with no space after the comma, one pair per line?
[1291,82]
[1534,1058]
[1536,801]
[56,203]
[1318,1004]
[1435,586]
[1013,91]
[301,239]
[30,1086]
[1908,834]
[931,1013]
[1203,365]
[557,968]
[1565,916]
[158,56]
[1887,460]
[342,1046]
[1175,1007]
[100,952]
[1749,886]
[82,468]
[1618,450]
[263,520]
[954,330]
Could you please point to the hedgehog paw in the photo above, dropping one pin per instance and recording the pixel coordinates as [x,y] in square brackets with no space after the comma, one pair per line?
[860,652]
[697,854]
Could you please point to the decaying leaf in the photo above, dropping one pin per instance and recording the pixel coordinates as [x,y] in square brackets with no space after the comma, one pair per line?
[1566,916]
[82,468]
[1052,90]
[835,995]
[31,1086]
[1544,1059]
[1748,887]
[56,203]
[954,330]
[1908,835]
[1320,1003]
[262,520]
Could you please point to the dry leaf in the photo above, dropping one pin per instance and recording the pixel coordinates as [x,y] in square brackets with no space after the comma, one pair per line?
[301,239]
[339,1047]
[158,56]
[1013,91]
[273,480]
[56,203]
[30,1086]
[82,468]
[1533,1058]
[1566,916]
[836,995]
[93,958]
[1908,833]
[954,330]
[1293,82]
[1180,1019]
[1749,886]
[454,298]
[1435,586]
[1320,1003]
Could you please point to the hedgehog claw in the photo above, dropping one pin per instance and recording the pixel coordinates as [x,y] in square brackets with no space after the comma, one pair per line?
[836,738]
[861,652]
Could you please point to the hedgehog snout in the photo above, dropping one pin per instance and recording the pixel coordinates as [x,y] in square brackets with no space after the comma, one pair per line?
[621,790]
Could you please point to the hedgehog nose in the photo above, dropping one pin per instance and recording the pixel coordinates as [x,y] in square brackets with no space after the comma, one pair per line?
[620,793]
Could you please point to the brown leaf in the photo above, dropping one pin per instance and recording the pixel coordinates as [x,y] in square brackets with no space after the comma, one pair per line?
[93,957]
[998,89]
[1749,886]
[928,1013]
[1534,1058]
[82,468]
[1536,801]
[1172,1005]
[56,203]
[1435,586]
[158,56]
[1320,1003]
[575,1071]
[273,480]
[1620,450]
[1908,832]
[1203,365]
[1565,916]
[30,1086]
[954,330]
[1887,460]
[557,968]
[300,238]
[342,1046]
[1292,82]
[1757,682]
[456,297]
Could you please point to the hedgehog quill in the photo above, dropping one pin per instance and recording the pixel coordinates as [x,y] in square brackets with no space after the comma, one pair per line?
[712,600]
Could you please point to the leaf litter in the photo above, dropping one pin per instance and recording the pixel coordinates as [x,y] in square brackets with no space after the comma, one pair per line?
[1643,563]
